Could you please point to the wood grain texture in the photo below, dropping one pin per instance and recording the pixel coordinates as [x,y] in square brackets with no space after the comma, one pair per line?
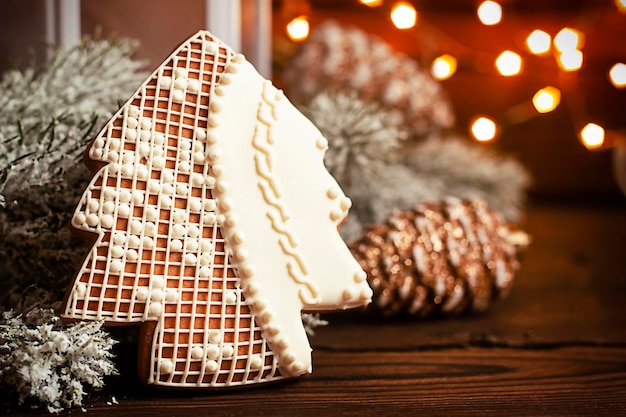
[555,347]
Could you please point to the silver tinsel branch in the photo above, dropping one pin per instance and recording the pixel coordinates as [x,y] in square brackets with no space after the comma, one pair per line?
[48,115]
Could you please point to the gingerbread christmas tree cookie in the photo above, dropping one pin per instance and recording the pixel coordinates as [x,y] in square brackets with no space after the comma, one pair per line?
[214,225]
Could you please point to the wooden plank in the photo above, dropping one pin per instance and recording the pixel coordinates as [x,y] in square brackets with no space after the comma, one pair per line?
[568,381]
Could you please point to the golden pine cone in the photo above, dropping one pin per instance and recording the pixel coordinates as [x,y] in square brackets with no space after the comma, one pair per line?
[443,258]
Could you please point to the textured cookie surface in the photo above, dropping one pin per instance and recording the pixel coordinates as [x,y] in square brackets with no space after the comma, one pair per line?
[214,223]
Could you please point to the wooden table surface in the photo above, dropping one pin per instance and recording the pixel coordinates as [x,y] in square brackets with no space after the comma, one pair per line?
[556,346]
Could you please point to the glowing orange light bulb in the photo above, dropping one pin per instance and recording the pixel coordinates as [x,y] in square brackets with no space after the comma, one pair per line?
[621,5]
[298,29]
[403,15]
[509,63]
[483,129]
[592,135]
[617,75]
[538,42]
[547,99]
[371,3]
[489,13]
[443,67]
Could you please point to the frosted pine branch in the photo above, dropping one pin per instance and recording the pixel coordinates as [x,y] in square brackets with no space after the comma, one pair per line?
[52,363]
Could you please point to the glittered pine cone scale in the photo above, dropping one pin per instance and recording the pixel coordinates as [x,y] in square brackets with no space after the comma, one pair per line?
[443,258]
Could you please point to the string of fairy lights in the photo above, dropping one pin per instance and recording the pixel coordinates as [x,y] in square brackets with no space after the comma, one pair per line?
[566,46]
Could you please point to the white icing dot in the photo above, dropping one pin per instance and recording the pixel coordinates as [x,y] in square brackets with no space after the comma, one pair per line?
[182,189]
[180,83]
[210,205]
[159,138]
[213,351]
[207,218]
[157,295]
[128,157]
[206,245]
[79,220]
[214,120]
[193,231]
[147,242]
[165,82]
[179,215]
[222,186]
[215,336]
[155,308]
[238,236]
[178,96]
[220,91]
[206,259]
[217,170]
[158,282]
[226,204]
[133,241]
[114,168]
[108,207]
[221,219]
[347,294]
[336,214]
[200,134]
[226,79]
[141,294]
[247,271]
[198,157]
[345,203]
[321,143]
[180,72]
[152,213]
[117,251]
[197,179]
[138,196]
[211,138]
[333,192]
[260,304]
[113,156]
[190,259]
[124,211]
[184,155]
[167,189]
[360,276]
[93,204]
[128,170]
[119,238]
[230,297]
[99,143]
[176,245]
[131,134]
[136,226]
[125,196]
[184,167]
[228,351]
[81,290]
[197,352]
[106,221]
[211,366]
[216,105]
[193,86]
[171,295]
[144,149]
[133,110]
[142,172]
[205,272]
[97,153]
[211,47]
[146,123]
[184,144]
[256,362]
[239,58]
[168,176]
[191,245]
[166,366]
[214,154]
[165,201]
[145,135]
[132,255]
[115,144]
[116,265]
[158,162]
[281,343]
[195,205]
[150,229]
[131,122]
[242,254]
[178,230]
